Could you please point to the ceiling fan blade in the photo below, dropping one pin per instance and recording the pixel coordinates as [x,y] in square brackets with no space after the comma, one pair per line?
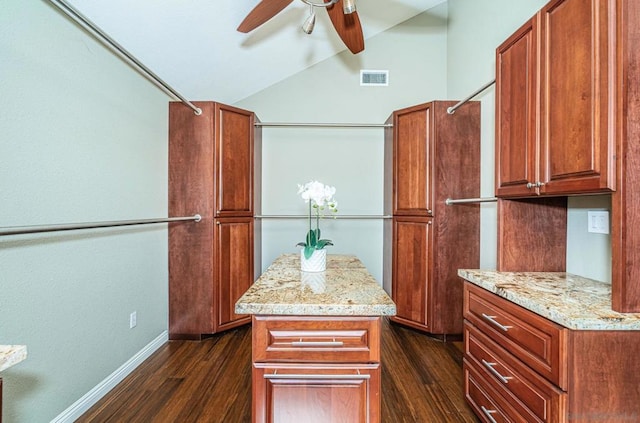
[263,11]
[347,26]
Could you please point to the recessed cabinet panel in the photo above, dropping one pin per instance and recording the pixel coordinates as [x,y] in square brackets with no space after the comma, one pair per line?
[234,254]
[234,151]
[516,104]
[576,154]
[316,394]
[412,241]
[412,162]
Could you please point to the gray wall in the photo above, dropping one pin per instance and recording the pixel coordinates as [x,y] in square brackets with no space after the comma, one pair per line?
[83,138]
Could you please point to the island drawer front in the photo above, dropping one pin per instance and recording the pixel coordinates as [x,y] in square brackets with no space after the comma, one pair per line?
[536,341]
[316,339]
[529,393]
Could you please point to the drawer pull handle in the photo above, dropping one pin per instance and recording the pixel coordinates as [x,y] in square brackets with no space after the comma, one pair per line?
[492,320]
[317,343]
[489,413]
[503,379]
[317,377]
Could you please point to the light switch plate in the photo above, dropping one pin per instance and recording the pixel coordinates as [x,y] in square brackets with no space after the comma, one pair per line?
[598,221]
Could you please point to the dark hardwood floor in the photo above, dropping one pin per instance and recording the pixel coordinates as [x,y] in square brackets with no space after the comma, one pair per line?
[210,381]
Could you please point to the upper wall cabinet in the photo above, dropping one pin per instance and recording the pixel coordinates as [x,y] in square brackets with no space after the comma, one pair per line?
[554,102]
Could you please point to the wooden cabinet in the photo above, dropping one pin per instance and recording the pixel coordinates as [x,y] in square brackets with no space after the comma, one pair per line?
[554,102]
[211,172]
[316,369]
[430,156]
[521,367]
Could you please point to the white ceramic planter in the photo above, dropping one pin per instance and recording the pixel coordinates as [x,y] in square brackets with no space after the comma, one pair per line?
[316,263]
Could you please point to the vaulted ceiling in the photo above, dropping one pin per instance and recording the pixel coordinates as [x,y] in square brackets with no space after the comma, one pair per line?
[193,44]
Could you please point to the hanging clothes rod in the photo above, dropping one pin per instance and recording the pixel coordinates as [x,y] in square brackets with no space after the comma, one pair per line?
[302,216]
[451,110]
[324,125]
[21,230]
[450,202]
[105,39]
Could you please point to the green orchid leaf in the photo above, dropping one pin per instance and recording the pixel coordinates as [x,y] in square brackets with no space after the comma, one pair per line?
[308,251]
[301,244]
[311,238]
[323,243]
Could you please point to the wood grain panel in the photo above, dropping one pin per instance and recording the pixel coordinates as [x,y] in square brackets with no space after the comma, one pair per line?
[412,269]
[532,235]
[234,161]
[234,269]
[625,236]
[191,171]
[516,111]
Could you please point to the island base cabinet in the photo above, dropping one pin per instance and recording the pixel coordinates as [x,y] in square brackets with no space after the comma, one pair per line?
[316,394]
[316,369]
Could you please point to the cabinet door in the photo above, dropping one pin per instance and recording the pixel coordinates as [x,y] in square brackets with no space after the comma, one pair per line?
[576,146]
[233,269]
[234,161]
[412,263]
[516,110]
[412,161]
[316,394]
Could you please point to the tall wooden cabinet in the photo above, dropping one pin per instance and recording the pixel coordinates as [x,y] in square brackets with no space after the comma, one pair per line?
[212,171]
[430,156]
[554,102]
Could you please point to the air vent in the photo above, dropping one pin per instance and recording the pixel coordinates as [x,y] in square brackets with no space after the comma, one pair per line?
[376,78]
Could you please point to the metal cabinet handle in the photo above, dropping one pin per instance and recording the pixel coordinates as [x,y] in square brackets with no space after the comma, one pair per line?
[491,319]
[503,379]
[317,343]
[489,413]
[317,377]
[530,185]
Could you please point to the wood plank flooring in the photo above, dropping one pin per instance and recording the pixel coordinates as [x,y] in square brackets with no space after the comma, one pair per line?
[210,381]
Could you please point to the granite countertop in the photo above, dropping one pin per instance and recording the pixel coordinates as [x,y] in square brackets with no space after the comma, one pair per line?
[346,288]
[572,301]
[11,354]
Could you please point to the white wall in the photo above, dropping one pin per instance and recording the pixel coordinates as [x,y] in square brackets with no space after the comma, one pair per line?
[350,159]
[476,28]
[83,138]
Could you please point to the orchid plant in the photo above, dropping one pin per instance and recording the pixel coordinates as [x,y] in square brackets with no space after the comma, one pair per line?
[320,199]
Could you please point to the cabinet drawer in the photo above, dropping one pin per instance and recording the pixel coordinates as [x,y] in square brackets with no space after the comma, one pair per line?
[483,403]
[316,339]
[530,394]
[536,341]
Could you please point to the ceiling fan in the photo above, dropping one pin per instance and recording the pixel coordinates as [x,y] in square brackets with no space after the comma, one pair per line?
[344,18]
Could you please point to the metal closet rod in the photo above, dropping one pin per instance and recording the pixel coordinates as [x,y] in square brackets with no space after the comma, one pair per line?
[450,201]
[101,36]
[302,216]
[324,125]
[451,110]
[21,230]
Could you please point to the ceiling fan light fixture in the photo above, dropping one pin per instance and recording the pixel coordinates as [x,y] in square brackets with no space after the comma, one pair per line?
[310,22]
[348,6]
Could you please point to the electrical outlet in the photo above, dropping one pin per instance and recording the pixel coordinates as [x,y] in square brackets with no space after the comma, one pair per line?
[133,320]
[598,221]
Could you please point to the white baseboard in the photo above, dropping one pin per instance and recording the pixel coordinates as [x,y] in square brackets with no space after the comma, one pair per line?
[81,406]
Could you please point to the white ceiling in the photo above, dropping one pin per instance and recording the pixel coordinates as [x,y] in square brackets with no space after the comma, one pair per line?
[193,45]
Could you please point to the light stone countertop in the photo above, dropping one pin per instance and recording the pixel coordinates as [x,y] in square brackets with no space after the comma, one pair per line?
[346,288]
[11,355]
[572,301]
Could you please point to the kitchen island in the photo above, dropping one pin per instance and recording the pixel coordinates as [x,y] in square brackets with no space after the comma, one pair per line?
[316,342]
